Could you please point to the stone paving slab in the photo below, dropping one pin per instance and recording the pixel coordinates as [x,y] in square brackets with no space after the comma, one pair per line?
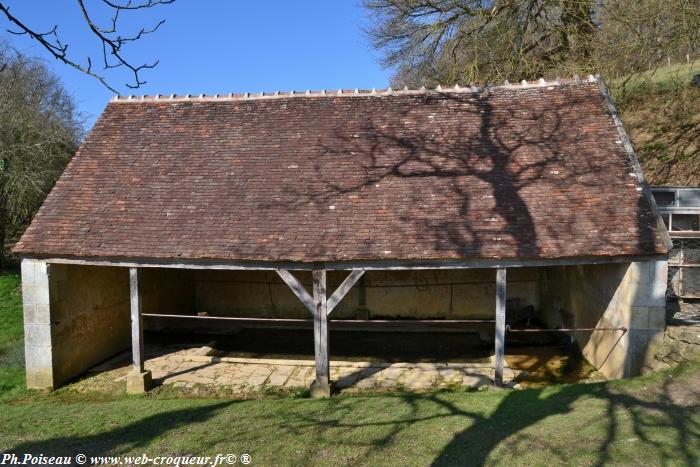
[191,367]
[195,357]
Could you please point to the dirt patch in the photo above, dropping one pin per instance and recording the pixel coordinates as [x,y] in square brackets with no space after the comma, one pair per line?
[543,366]
[684,391]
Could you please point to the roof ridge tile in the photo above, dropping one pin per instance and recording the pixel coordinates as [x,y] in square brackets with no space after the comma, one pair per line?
[439,89]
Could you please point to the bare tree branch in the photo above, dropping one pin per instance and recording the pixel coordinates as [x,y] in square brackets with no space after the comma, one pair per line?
[110,39]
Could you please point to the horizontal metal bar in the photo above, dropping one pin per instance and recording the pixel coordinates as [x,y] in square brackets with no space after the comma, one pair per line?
[229,318]
[509,329]
[370,286]
[418,321]
[297,320]
[680,210]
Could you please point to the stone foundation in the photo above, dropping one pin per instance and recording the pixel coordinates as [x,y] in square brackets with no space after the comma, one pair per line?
[680,343]
[138,383]
[185,368]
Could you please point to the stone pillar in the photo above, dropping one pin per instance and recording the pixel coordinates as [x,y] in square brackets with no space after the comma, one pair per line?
[647,320]
[38,354]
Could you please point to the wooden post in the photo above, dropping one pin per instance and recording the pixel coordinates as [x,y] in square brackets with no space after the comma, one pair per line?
[681,268]
[343,289]
[320,306]
[500,323]
[139,380]
[298,289]
[136,320]
[321,386]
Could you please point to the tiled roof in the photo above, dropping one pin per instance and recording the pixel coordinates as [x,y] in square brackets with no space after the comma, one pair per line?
[525,171]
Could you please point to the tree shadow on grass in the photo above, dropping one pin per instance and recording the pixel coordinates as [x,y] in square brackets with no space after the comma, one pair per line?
[519,410]
[128,439]
[602,419]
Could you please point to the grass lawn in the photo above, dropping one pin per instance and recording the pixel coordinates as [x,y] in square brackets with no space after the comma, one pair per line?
[643,421]
[11,336]
[660,79]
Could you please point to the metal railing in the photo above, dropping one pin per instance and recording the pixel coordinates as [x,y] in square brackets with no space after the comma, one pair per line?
[684,269]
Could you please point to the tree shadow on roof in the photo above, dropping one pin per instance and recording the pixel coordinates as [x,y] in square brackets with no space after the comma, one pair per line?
[444,187]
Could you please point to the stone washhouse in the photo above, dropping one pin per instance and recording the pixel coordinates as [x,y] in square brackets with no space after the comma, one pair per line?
[433,205]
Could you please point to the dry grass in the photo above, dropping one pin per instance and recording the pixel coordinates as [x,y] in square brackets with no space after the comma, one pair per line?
[661,112]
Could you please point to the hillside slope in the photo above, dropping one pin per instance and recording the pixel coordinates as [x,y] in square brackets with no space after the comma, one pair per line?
[662,116]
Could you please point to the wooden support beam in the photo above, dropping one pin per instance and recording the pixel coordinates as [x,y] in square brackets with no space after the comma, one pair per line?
[374,265]
[344,288]
[320,306]
[321,386]
[298,290]
[136,320]
[500,324]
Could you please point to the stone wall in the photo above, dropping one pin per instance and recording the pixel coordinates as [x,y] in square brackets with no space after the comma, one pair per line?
[630,295]
[449,294]
[168,291]
[680,343]
[90,311]
[75,317]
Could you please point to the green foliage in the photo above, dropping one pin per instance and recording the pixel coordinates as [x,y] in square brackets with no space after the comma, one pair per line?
[11,329]
[39,133]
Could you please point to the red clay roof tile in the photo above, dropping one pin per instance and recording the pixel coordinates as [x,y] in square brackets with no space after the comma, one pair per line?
[507,172]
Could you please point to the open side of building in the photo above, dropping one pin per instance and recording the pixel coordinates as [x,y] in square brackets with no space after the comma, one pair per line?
[680,210]
[445,208]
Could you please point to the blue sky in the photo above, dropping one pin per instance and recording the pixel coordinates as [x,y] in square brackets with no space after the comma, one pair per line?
[216,46]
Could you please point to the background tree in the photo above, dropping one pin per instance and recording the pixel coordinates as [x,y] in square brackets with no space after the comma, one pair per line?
[39,133]
[450,41]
